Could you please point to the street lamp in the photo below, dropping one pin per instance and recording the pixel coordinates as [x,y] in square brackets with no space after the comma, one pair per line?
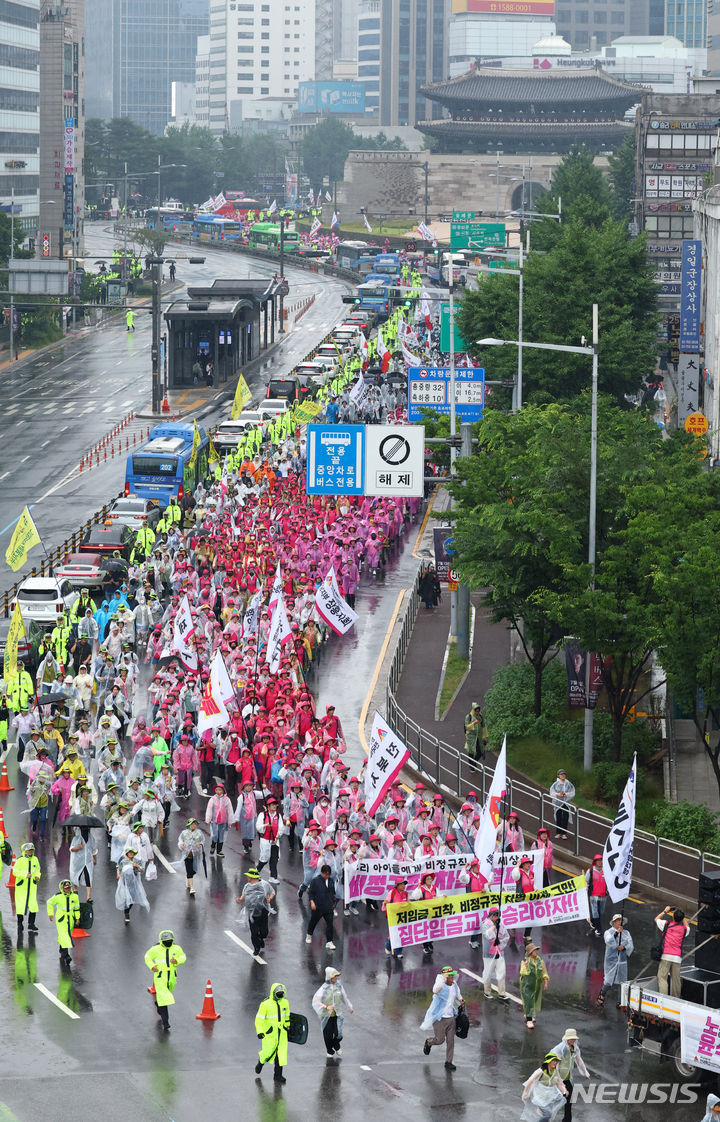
[163,167]
[593,351]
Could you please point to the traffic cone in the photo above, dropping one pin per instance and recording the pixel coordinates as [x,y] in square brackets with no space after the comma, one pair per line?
[4,781]
[10,882]
[151,989]
[208,1009]
[3,831]
[80,933]
[165,405]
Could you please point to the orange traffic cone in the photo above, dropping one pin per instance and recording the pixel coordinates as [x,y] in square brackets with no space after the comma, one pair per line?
[10,882]
[165,405]
[4,781]
[208,1009]
[3,831]
[80,933]
[151,989]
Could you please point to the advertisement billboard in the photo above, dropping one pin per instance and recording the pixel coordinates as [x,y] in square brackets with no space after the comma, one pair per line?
[506,7]
[331,97]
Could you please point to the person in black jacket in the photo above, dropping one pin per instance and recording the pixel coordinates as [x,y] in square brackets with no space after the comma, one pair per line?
[321,894]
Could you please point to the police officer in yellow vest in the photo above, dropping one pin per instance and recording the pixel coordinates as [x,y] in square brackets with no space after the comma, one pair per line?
[143,542]
[64,908]
[27,876]
[163,959]
[19,689]
[61,639]
[174,511]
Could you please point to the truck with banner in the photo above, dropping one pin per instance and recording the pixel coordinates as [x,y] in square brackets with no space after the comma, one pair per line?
[674,1028]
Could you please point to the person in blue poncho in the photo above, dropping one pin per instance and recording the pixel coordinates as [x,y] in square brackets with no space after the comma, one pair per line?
[440,1017]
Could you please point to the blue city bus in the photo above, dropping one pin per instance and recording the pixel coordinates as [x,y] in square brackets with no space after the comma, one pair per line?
[375,297]
[387,263]
[215,227]
[161,468]
[356,255]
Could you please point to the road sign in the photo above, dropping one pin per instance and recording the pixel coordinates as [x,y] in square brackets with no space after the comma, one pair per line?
[480,234]
[394,460]
[366,460]
[429,388]
[445,331]
[463,216]
[449,546]
[697,424]
[335,459]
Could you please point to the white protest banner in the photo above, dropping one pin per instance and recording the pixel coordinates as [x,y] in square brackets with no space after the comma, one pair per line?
[700,1036]
[509,861]
[386,756]
[487,831]
[618,852]
[277,589]
[372,880]
[449,917]
[183,631]
[278,635]
[317,225]
[252,615]
[336,612]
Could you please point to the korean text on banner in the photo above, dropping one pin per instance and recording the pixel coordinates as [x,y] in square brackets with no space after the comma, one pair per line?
[690,302]
[15,634]
[618,852]
[386,756]
[213,710]
[243,397]
[278,635]
[183,631]
[24,537]
[372,880]
[700,1037]
[334,610]
[450,917]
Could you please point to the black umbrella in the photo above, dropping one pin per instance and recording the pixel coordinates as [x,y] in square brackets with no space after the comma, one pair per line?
[53,699]
[88,820]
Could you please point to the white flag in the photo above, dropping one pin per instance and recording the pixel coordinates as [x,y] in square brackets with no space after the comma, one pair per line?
[277,589]
[408,357]
[335,220]
[368,227]
[183,631]
[363,348]
[386,756]
[218,691]
[273,207]
[278,635]
[425,233]
[317,225]
[220,201]
[359,392]
[487,832]
[328,196]
[618,852]
[334,610]
[252,615]
[311,197]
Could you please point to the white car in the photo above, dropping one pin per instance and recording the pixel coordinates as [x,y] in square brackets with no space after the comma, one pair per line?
[228,433]
[275,405]
[44,598]
[133,511]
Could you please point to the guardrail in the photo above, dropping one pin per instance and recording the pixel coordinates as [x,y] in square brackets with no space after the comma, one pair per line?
[658,863]
[57,556]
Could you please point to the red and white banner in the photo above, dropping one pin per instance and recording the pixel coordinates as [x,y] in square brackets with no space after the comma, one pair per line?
[700,1036]
[317,225]
[336,612]
[218,691]
[276,591]
[386,756]
[372,880]
[383,352]
[183,631]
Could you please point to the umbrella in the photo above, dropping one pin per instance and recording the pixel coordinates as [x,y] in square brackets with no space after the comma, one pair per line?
[53,699]
[88,820]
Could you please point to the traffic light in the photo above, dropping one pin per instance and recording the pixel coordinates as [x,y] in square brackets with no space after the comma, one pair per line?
[45,245]
[351,300]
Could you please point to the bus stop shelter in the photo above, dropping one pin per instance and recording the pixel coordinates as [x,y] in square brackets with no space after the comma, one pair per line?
[229,324]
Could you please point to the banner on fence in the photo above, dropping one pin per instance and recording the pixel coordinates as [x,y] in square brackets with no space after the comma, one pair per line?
[372,880]
[450,917]
[700,1037]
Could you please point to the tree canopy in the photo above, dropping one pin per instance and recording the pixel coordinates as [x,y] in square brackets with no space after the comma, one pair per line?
[586,265]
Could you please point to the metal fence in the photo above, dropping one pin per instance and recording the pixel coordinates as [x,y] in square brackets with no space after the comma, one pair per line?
[657,862]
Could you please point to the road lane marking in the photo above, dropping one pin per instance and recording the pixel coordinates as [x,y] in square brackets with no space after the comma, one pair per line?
[245,947]
[164,861]
[56,1001]
[376,674]
[479,979]
[6,473]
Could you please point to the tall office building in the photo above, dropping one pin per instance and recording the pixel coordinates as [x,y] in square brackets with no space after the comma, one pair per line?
[136,49]
[20,109]
[265,48]
[62,127]
[476,35]
[345,29]
[687,21]
[587,24]
[402,44]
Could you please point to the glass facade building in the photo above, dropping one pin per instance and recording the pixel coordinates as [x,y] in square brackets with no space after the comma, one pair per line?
[687,21]
[20,108]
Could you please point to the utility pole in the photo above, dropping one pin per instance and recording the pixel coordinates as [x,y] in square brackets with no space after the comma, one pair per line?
[463,592]
[426,169]
[453,423]
[281,330]
[10,284]
[589,713]
[157,264]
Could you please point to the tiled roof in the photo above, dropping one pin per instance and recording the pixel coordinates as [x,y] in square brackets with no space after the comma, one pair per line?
[488,84]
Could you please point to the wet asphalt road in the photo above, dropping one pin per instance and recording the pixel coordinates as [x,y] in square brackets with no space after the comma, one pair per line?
[113,1063]
[56,407]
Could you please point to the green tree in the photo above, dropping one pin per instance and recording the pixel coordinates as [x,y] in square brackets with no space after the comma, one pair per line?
[688,623]
[380,142]
[6,227]
[586,266]
[152,241]
[195,152]
[324,151]
[579,191]
[622,179]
